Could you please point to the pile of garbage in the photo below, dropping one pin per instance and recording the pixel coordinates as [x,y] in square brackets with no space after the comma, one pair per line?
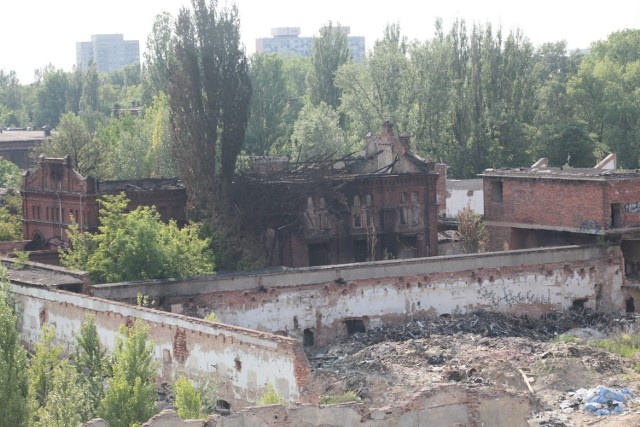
[599,400]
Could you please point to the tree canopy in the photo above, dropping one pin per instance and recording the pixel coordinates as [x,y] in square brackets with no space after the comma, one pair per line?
[137,245]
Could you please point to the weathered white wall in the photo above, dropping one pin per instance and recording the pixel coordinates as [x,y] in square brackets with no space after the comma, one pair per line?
[463,192]
[532,290]
[243,361]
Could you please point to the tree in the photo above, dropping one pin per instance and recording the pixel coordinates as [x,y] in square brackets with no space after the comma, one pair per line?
[92,365]
[73,138]
[52,97]
[137,245]
[47,356]
[158,55]
[269,102]
[328,53]
[11,217]
[316,133]
[65,401]
[13,364]
[188,399]
[375,90]
[209,94]
[131,393]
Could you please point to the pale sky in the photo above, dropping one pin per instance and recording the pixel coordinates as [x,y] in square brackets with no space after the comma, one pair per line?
[34,33]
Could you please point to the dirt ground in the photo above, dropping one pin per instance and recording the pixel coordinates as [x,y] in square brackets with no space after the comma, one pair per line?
[487,350]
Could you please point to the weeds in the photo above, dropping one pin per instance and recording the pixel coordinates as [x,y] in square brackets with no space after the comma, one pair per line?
[624,345]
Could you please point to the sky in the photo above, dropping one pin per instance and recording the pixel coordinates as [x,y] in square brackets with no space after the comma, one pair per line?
[34,33]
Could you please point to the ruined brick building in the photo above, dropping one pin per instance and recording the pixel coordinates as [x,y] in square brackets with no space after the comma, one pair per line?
[550,206]
[54,192]
[380,204]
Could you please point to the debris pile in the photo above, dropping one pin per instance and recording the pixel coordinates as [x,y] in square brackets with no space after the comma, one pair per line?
[599,400]
[486,350]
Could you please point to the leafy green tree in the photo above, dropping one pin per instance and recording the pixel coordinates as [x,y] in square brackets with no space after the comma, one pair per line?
[376,89]
[137,245]
[605,94]
[131,393]
[11,217]
[328,53]
[269,102]
[13,364]
[65,401]
[73,138]
[10,176]
[52,97]
[158,55]
[188,399]
[47,356]
[92,365]
[209,95]
[317,133]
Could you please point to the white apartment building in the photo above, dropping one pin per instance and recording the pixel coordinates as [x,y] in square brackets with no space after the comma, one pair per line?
[288,40]
[109,52]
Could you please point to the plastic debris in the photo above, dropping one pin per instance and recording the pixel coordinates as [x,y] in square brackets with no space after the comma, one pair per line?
[600,400]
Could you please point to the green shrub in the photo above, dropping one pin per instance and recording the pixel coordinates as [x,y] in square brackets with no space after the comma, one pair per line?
[188,399]
[270,397]
[211,317]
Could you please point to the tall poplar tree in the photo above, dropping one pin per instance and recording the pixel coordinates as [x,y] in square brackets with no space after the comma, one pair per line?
[328,53]
[209,94]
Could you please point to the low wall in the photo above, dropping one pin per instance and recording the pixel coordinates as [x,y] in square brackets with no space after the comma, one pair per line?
[243,361]
[328,301]
[446,406]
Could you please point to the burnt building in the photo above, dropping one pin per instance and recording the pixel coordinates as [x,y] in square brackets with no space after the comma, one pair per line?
[382,204]
[551,206]
[54,193]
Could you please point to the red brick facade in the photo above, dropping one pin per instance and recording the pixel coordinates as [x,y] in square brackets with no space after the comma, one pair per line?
[54,192]
[531,207]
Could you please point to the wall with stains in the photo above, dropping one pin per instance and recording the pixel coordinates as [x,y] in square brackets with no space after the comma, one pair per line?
[318,304]
[242,361]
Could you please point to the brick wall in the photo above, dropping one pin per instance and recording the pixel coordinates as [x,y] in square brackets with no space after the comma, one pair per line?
[242,361]
[322,300]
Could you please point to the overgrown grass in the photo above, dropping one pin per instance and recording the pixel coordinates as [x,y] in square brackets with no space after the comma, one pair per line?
[566,338]
[625,345]
[347,396]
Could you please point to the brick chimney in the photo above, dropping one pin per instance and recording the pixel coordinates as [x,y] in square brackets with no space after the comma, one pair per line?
[405,140]
[387,129]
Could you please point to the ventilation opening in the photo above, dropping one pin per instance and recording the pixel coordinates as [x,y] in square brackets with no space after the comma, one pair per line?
[307,338]
[579,303]
[630,306]
[223,407]
[238,363]
[355,326]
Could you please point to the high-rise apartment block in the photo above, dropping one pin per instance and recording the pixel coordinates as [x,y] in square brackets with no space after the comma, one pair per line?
[288,40]
[110,52]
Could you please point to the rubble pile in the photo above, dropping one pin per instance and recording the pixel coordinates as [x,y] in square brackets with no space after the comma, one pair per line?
[482,349]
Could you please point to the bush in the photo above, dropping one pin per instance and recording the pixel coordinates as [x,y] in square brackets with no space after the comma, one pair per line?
[188,399]
[270,397]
